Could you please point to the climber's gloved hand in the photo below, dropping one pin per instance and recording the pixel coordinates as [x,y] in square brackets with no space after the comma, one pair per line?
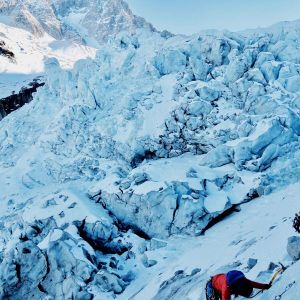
[268,285]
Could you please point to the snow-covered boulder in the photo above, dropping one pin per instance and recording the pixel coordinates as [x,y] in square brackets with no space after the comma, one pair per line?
[293,247]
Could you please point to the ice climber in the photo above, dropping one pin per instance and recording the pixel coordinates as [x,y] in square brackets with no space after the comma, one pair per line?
[222,286]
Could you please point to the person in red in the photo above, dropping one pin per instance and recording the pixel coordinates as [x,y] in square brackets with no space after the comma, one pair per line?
[233,283]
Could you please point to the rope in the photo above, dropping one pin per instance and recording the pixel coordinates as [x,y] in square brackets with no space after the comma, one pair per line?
[256,294]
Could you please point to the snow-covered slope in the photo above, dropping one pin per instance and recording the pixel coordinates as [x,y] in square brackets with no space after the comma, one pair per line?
[116,169]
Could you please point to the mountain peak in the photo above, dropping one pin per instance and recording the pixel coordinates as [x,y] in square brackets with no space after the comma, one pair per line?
[90,22]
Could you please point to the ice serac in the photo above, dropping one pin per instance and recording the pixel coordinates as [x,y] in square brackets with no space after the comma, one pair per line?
[116,166]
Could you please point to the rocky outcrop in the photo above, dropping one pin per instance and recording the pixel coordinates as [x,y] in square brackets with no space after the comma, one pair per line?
[15,101]
[6,52]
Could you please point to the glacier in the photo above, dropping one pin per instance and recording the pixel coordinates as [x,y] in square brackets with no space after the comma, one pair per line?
[159,161]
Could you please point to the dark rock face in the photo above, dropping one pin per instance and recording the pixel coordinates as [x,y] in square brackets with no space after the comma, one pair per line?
[15,101]
[5,52]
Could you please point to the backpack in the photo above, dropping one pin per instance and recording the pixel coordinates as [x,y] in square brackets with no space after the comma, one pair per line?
[233,277]
[211,293]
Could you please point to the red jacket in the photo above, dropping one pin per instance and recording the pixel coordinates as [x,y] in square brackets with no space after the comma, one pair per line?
[219,283]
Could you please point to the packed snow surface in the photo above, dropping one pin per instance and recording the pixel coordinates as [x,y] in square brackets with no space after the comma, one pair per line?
[141,172]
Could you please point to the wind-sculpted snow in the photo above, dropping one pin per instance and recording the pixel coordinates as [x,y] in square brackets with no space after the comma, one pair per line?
[158,137]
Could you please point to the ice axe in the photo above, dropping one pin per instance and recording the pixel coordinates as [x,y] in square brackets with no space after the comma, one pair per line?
[279,271]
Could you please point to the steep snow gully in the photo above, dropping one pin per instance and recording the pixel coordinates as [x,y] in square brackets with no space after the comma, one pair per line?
[163,160]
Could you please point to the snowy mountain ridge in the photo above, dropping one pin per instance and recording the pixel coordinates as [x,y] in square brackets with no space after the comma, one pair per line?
[115,175]
[87,22]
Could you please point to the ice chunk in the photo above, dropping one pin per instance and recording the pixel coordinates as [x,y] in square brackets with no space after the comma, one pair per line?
[293,247]
[170,61]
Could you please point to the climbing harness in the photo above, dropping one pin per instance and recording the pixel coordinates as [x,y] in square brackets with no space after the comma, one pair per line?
[256,294]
